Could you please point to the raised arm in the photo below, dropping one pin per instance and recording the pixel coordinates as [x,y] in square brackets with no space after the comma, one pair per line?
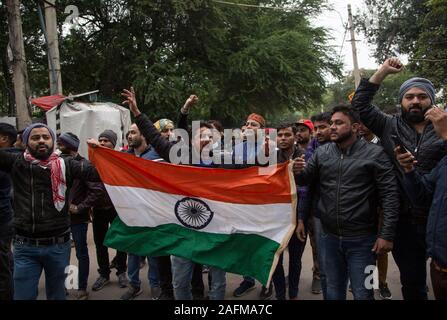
[184,111]
[371,116]
[147,128]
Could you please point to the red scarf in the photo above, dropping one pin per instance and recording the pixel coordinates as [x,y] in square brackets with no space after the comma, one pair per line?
[58,181]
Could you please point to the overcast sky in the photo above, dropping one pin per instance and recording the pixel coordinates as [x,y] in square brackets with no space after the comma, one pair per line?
[334,20]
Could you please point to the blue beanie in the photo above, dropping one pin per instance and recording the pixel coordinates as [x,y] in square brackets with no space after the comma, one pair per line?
[70,140]
[26,133]
[420,83]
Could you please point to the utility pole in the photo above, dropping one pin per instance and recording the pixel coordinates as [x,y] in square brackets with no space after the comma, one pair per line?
[354,49]
[53,47]
[20,74]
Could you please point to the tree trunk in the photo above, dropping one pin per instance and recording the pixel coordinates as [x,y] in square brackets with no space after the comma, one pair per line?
[53,47]
[20,74]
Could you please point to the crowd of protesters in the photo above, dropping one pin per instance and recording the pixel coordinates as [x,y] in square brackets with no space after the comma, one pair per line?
[368,183]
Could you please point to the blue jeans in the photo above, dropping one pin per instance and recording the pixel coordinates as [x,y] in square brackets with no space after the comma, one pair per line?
[410,254]
[29,261]
[296,249]
[318,230]
[182,276]
[133,265]
[348,258]
[79,233]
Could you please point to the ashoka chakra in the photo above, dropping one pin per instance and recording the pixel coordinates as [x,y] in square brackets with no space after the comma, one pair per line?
[193,213]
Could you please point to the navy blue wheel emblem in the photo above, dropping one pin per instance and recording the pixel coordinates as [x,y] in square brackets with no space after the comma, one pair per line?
[193,213]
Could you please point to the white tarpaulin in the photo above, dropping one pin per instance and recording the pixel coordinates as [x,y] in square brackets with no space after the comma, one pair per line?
[10,120]
[88,120]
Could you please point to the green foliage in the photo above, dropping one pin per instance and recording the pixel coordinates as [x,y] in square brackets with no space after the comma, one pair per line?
[386,98]
[417,28]
[238,60]
[432,44]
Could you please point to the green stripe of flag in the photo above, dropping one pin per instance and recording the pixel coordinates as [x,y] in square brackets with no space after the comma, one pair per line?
[244,254]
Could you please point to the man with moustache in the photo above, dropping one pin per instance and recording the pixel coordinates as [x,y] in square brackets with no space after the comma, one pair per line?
[288,150]
[140,148]
[42,181]
[417,134]
[353,175]
[322,128]
[305,129]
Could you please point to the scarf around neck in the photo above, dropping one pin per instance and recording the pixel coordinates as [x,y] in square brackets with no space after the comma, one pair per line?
[58,181]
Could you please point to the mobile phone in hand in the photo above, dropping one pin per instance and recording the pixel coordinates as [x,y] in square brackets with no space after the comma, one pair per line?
[399,144]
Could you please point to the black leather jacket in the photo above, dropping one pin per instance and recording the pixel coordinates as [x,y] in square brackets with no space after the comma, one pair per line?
[351,184]
[428,149]
[34,211]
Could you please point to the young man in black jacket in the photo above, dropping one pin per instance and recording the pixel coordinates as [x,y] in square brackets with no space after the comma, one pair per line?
[416,133]
[82,198]
[288,150]
[103,215]
[352,174]
[42,182]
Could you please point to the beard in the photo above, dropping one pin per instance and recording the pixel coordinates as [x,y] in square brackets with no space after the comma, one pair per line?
[135,143]
[302,140]
[343,137]
[415,114]
[41,155]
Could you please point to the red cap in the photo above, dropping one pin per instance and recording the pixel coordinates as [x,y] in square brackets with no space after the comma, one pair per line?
[307,123]
[258,118]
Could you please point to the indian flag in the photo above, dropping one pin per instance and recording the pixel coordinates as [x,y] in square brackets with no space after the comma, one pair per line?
[236,220]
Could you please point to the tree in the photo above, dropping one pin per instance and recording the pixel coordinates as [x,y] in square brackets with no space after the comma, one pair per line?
[416,28]
[237,59]
[18,64]
[430,52]
[386,98]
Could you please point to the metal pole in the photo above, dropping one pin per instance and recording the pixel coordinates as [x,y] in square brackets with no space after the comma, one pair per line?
[354,49]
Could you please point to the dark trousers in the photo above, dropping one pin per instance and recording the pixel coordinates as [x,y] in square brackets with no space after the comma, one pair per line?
[165,276]
[296,249]
[410,255]
[6,292]
[198,287]
[79,233]
[314,244]
[101,221]
[439,282]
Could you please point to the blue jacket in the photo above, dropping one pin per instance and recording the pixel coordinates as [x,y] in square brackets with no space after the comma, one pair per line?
[426,189]
[148,154]
[246,153]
